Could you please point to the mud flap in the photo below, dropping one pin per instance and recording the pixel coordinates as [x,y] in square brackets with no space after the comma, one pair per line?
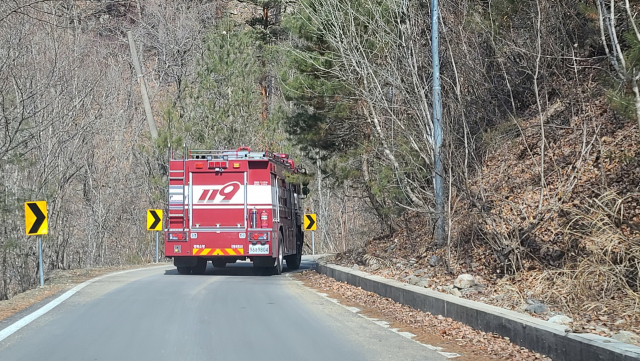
[267,261]
[185,261]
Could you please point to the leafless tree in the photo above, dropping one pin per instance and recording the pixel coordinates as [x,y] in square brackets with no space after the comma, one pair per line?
[625,69]
[73,129]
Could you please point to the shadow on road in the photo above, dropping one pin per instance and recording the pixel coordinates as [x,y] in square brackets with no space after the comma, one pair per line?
[243,269]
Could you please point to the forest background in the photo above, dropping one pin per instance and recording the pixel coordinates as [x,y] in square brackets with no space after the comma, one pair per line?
[541,130]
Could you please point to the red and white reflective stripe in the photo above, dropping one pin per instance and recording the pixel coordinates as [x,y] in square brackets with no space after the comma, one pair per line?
[223,206]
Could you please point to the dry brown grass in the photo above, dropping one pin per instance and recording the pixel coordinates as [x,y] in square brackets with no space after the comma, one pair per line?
[612,243]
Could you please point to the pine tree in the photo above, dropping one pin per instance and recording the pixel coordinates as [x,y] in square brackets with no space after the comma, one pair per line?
[222,108]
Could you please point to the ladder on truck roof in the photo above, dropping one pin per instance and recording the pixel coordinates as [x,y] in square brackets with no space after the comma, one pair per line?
[177,210]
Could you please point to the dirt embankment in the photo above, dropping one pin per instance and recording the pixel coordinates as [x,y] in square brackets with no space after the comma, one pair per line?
[566,240]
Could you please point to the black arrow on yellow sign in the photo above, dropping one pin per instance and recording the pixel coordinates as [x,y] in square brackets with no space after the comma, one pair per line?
[40,217]
[309,222]
[36,217]
[154,218]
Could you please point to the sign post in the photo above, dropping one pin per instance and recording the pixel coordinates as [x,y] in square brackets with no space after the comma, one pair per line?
[310,224]
[40,261]
[36,222]
[154,223]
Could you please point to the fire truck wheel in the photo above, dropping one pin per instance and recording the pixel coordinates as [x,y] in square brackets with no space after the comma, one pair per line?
[184,270]
[200,267]
[294,260]
[277,269]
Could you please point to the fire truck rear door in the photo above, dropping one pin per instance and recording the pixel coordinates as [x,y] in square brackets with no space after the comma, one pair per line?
[218,200]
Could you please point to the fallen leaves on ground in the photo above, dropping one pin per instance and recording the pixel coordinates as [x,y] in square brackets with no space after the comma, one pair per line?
[474,343]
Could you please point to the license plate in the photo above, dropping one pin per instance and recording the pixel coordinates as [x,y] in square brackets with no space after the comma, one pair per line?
[258,249]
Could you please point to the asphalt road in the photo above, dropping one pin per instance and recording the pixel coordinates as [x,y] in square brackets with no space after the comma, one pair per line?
[227,314]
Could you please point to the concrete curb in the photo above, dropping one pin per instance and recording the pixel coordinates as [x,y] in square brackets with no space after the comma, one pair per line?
[523,330]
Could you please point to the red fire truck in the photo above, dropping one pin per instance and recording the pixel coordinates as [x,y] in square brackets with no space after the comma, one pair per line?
[230,205]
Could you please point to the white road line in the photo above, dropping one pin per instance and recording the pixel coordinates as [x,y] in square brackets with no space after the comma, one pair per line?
[49,306]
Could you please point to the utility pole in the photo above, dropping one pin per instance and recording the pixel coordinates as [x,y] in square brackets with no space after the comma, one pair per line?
[143,87]
[440,231]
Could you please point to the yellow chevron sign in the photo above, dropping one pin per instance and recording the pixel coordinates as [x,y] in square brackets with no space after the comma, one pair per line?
[154,220]
[35,218]
[310,222]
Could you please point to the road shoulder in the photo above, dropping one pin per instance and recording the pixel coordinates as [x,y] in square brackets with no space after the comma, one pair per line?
[24,306]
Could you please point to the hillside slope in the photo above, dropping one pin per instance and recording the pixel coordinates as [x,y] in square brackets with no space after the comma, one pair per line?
[577,251]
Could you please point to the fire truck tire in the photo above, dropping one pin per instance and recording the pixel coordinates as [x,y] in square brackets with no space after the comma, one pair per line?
[277,268]
[184,270]
[218,263]
[200,267]
[294,260]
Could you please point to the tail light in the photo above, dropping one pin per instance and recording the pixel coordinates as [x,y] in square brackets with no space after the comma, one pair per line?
[259,236]
[177,236]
